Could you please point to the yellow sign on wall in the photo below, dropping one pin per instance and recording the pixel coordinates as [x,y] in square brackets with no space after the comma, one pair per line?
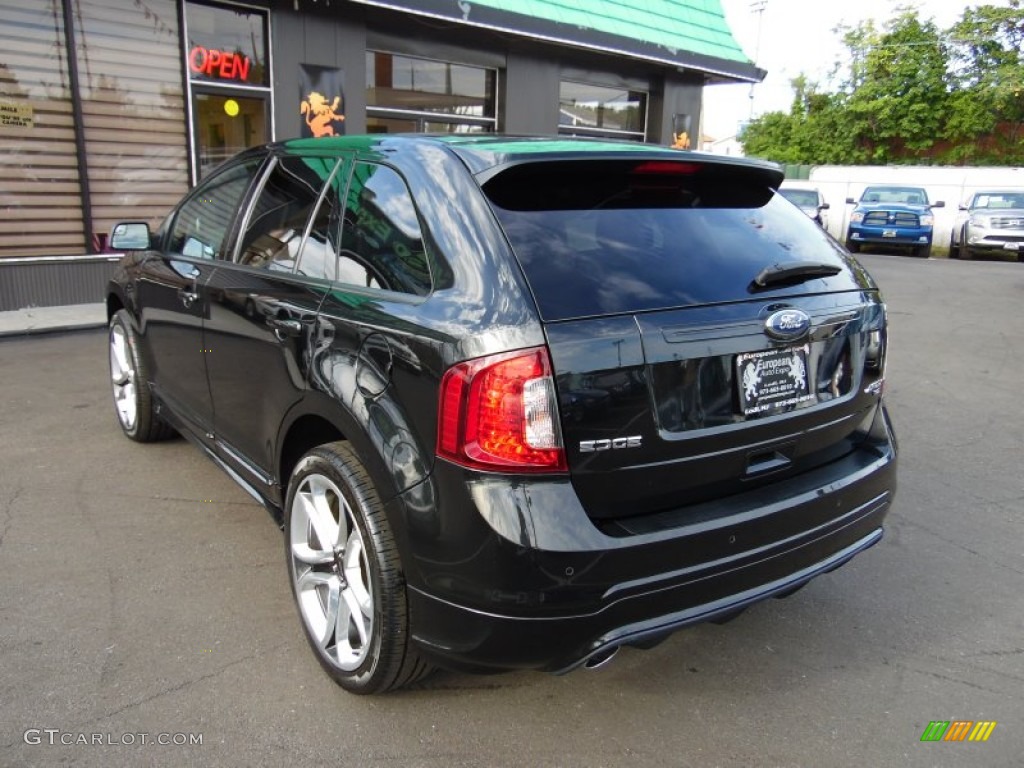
[15,114]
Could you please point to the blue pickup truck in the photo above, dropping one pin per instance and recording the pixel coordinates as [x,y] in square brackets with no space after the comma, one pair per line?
[892,216]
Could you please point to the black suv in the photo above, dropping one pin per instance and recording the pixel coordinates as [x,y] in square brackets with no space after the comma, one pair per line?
[517,402]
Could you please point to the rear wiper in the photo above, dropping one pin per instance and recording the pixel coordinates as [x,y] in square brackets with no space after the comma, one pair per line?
[792,272]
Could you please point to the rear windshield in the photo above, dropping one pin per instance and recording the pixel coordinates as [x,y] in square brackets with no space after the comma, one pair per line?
[599,238]
[805,198]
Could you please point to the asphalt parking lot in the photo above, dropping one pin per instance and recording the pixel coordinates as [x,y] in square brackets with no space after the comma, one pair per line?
[143,595]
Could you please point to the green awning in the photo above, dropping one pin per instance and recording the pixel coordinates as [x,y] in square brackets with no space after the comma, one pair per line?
[692,34]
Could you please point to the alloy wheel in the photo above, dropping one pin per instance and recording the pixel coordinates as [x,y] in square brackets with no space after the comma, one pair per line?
[331,572]
[123,377]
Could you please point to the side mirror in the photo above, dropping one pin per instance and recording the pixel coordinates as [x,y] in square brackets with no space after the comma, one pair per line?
[850,201]
[963,207]
[823,207]
[130,236]
[939,204]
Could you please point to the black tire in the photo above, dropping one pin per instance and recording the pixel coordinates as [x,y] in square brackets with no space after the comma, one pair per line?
[129,378]
[922,251]
[358,576]
[852,247]
[953,249]
[964,252]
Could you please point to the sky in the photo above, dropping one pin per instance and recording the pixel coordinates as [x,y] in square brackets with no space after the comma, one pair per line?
[796,36]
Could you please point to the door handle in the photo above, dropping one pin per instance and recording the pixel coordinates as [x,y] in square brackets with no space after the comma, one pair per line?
[285,327]
[188,298]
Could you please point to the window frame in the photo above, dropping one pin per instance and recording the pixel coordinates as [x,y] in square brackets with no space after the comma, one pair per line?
[608,133]
[416,115]
[342,163]
[259,162]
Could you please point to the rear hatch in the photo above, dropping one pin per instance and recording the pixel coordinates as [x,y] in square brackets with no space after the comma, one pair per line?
[707,338]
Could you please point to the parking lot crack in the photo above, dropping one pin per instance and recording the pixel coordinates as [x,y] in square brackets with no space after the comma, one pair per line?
[955,679]
[984,654]
[953,542]
[176,688]
[8,516]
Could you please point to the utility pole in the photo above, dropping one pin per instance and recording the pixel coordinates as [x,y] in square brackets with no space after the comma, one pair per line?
[757,7]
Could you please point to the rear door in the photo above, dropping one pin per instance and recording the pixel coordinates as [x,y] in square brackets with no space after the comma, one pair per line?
[263,307]
[707,337]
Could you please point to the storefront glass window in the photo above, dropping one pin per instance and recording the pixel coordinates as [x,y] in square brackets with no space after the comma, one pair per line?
[596,110]
[227,60]
[227,45]
[410,94]
[420,125]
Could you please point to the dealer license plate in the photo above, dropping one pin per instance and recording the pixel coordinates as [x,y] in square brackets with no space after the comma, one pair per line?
[773,378]
[888,233]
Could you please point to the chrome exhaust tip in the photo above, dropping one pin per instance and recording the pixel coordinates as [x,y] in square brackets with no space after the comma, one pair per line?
[600,658]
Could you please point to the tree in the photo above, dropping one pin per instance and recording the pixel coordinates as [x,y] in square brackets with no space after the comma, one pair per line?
[910,93]
[987,78]
[816,130]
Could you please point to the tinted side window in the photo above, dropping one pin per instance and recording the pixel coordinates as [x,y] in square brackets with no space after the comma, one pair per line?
[203,222]
[381,243]
[277,222]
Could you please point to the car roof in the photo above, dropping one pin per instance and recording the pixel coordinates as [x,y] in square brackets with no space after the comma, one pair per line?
[487,152]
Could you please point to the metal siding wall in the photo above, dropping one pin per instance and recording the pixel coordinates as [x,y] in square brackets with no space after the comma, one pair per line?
[325,39]
[531,96]
[129,64]
[42,283]
[40,206]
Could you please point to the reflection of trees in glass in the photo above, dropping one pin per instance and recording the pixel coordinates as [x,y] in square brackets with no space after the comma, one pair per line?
[12,89]
[426,85]
[382,231]
[40,38]
[584,105]
[617,116]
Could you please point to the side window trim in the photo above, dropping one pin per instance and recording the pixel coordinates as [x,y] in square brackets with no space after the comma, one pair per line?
[242,222]
[344,166]
[263,177]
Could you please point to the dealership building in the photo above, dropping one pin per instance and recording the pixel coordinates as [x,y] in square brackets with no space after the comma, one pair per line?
[112,109]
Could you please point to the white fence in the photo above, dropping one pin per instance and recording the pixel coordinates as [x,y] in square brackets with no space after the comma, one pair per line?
[950,184]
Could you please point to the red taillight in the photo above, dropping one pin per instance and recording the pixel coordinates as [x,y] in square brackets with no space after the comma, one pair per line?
[499,412]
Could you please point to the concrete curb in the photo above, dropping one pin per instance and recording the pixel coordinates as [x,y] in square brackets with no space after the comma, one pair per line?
[32,320]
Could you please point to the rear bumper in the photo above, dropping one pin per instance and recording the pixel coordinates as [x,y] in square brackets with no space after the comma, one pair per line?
[471,640]
[537,587]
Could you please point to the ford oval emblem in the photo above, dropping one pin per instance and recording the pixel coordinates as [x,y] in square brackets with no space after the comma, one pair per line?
[787,324]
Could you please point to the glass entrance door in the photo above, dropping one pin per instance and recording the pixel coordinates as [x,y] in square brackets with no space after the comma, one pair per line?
[225,124]
[227,56]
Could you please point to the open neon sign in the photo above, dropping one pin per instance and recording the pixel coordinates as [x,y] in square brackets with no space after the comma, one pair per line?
[221,64]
